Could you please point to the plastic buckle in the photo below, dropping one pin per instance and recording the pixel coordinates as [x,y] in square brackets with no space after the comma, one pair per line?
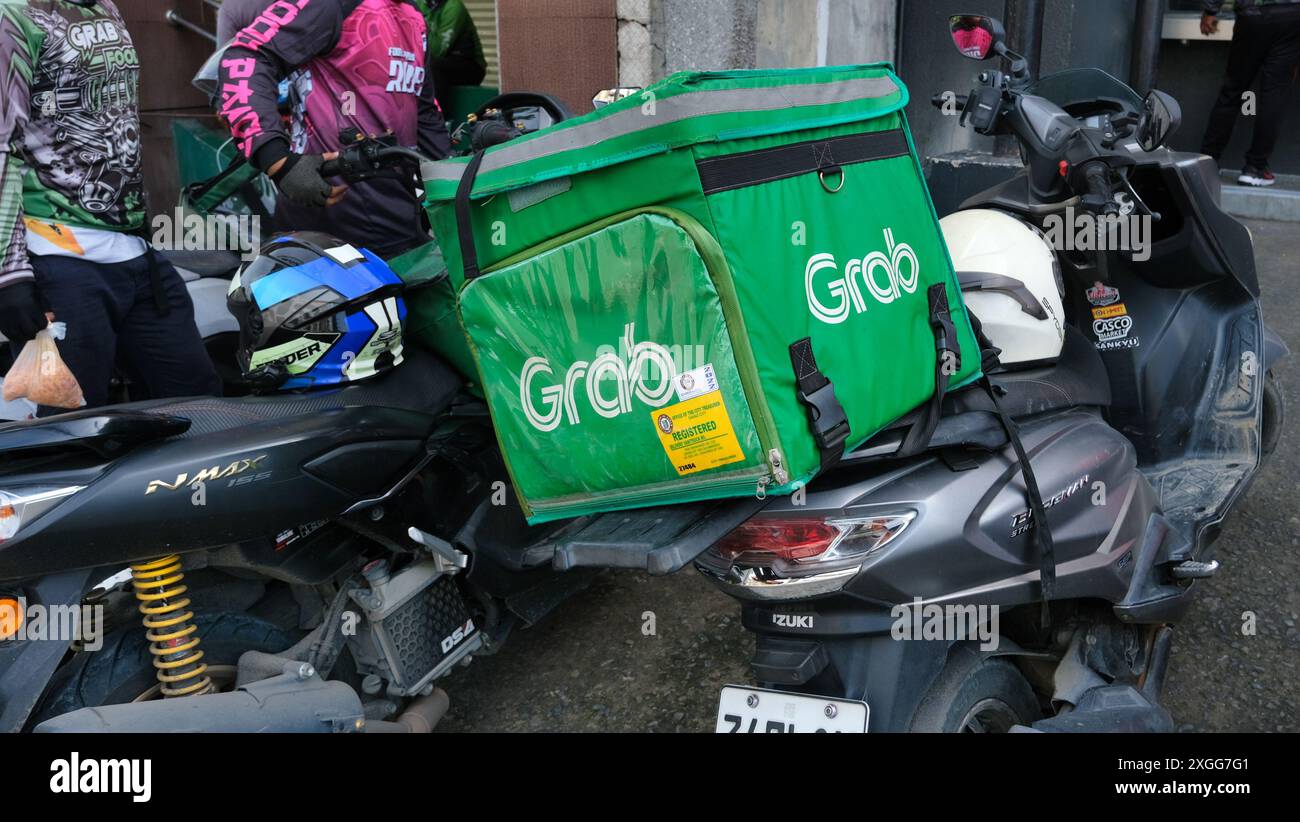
[829,423]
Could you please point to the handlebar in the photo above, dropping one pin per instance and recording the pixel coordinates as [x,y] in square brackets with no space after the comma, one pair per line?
[368,158]
[939,100]
[1101,194]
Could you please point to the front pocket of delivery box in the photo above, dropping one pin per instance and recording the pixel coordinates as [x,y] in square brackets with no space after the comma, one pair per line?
[609,370]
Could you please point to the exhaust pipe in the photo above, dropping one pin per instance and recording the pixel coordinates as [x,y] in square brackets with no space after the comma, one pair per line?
[420,717]
[295,701]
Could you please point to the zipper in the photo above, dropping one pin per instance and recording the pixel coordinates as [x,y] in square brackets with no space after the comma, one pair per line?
[779,474]
[716,265]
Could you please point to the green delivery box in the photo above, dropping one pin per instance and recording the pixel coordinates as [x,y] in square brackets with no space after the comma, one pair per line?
[708,289]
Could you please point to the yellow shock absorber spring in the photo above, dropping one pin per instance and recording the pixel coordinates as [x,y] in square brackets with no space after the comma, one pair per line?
[169,627]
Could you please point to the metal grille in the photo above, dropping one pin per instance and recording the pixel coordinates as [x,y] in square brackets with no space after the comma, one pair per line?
[412,636]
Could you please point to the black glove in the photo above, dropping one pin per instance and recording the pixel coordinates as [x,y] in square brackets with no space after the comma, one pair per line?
[299,180]
[21,312]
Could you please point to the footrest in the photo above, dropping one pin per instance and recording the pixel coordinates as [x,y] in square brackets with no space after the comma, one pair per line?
[1190,569]
[659,540]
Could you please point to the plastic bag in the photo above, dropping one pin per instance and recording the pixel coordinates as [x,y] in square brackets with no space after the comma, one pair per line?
[40,375]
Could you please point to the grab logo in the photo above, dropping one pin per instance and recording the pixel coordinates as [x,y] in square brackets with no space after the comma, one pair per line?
[887,276]
[608,383]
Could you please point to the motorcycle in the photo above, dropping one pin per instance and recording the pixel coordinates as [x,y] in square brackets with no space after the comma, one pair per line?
[910,594]
[295,562]
[333,554]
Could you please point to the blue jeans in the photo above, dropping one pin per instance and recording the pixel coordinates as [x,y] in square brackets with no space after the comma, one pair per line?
[113,318]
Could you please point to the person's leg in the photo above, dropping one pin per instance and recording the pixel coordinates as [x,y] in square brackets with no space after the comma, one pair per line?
[1275,77]
[1245,55]
[165,350]
[90,299]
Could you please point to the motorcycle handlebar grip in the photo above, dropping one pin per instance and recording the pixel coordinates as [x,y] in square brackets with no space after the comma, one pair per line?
[938,100]
[1098,182]
[331,168]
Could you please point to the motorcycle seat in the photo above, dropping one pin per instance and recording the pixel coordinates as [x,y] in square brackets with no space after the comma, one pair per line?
[422,383]
[204,264]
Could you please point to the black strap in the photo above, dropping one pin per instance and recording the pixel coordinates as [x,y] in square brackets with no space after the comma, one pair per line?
[1040,533]
[826,417]
[947,361]
[747,168]
[464,229]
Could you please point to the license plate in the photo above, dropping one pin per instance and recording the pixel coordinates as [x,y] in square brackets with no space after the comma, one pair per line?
[758,711]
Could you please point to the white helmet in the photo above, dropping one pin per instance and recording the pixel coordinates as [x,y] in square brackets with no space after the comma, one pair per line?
[1010,280]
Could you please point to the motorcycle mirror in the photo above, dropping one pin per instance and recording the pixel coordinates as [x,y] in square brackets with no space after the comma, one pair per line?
[611,95]
[1161,115]
[977,36]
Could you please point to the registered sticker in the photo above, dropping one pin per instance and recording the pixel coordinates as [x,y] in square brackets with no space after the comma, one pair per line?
[697,434]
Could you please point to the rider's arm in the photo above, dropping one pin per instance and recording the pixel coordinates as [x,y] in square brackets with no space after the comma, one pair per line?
[1211,7]
[433,139]
[19,60]
[258,58]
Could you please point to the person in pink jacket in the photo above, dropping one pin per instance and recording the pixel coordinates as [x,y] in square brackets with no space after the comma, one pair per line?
[355,67]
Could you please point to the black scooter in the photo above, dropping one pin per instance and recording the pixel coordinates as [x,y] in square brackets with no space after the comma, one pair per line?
[914,594]
[297,562]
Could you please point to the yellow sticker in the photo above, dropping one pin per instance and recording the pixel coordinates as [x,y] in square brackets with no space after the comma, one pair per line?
[1105,312]
[697,434]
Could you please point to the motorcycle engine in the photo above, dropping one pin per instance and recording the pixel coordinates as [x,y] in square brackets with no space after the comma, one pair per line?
[419,626]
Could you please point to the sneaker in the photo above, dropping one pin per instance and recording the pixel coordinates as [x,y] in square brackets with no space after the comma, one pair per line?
[1254,176]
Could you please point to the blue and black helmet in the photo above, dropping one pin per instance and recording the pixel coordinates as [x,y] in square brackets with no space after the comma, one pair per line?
[314,311]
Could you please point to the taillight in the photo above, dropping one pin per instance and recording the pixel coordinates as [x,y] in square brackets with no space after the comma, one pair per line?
[793,547]
[768,539]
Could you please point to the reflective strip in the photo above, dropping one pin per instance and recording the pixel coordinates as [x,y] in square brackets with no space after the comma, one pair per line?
[670,110]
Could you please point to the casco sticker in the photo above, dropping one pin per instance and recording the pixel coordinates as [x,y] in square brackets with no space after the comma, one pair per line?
[1113,329]
[1102,294]
[697,434]
[1113,333]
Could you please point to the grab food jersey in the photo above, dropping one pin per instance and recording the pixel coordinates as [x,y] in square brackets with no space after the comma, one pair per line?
[355,67]
[69,123]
